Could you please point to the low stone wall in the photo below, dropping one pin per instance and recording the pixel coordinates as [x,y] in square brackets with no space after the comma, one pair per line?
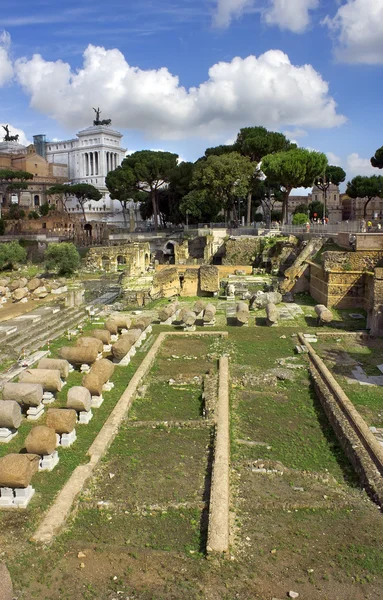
[358,443]
[218,534]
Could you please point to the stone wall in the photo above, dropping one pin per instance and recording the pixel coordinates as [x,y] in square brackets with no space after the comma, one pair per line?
[242,251]
[352,261]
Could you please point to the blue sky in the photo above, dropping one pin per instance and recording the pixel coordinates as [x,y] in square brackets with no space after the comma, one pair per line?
[182,75]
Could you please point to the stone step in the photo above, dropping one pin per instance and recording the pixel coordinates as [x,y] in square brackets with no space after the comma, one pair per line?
[49,332]
[24,323]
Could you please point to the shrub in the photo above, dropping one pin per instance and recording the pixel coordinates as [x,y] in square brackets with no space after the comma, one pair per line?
[15,212]
[33,215]
[11,253]
[2,227]
[62,257]
[299,219]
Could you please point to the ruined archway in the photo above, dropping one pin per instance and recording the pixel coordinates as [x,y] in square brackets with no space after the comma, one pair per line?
[105,262]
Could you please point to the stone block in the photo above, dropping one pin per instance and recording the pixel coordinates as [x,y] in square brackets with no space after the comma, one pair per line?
[84,417]
[7,434]
[242,313]
[209,278]
[49,462]
[166,283]
[67,439]
[35,412]
[167,312]
[190,284]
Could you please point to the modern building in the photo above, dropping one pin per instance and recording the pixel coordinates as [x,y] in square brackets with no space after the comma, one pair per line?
[89,157]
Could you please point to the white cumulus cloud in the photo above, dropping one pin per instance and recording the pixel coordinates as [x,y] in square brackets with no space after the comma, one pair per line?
[333,159]
[358,29]
[227,10]
[6,67]
[266,90]
[356,165]
[293,15]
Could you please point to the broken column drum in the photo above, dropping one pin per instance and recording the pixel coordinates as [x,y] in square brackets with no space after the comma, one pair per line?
[17,470]
[167,312]
[26,394]
[116,322]
[272,314]
[324,314]
[199,306]
[101,334]
[79,398]
[209,313]
[242,313]
[99,374]
[62,420]
[188,317]
[90,342]
[125,343]
[79,355]
[41,440]
[48,378]
[57,364]
[10,414]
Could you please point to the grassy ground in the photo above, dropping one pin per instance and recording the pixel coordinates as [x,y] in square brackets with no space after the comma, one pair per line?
[299,519]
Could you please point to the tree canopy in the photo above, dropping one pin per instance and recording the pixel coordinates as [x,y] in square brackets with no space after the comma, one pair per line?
[62,257]
[11,253]
[257,142]
[121,185]
[150,170]
[83,192]
[365,187]
[221,179]
[377,159]
[292,169]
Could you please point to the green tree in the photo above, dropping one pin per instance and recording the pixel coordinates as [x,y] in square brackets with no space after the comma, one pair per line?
[15,212]
[169,197]
[11,253]
[301,208]
[300,218]
[365,187]
[83,192]
[257,142]
[225,179]
[266,194]
[377,159]
[331,175]
[150,170]
[121,184]
[199,207]
[62,257]
[316,209]
[296,168]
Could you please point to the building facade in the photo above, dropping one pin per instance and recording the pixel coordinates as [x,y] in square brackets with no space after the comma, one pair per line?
[89,157]
[16,157]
